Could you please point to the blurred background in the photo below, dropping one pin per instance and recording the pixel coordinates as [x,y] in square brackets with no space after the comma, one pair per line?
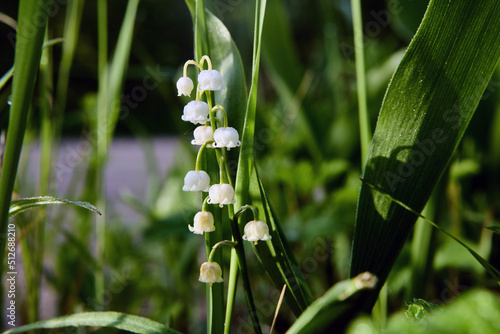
[307,149]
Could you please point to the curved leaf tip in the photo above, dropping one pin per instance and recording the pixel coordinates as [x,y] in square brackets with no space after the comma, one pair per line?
[20,205]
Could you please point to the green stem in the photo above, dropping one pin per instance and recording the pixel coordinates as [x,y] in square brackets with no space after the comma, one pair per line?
[219,244]
[246,207]
[224,115]
[231,290]
[364,123]
[27,59]
[102,144]
[46,142]
[198,156]
[240,261]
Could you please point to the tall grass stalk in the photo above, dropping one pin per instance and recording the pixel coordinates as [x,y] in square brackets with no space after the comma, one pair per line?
[46,142]
[364,123]
[101,127]
[72,22]
[421,253]
[28,51]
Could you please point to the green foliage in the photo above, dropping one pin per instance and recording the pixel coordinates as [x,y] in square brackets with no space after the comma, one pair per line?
[127,322]
[27,58]
[428,105]
[296,112]
[419,308]
[475,311]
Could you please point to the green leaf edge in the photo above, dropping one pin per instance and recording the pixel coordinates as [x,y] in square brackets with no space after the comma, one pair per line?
[128,322]
[20,205]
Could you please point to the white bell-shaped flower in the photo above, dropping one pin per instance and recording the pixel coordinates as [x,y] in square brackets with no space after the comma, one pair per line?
[184,86]
[226,137]
[210,272]
[210,80]
[196,112]
[222,194]
[256,230]
[196,181]
[202,134]
[203,222]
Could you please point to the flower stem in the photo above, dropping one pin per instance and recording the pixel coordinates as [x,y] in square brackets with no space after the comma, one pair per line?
[198,156]
[190,62]
[238,260]
[224,114]
[207,59]
[246,207]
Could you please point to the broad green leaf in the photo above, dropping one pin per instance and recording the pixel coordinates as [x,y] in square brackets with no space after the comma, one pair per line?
[428,105]
[316,319]
[29,40]
[127,322]
[20,205]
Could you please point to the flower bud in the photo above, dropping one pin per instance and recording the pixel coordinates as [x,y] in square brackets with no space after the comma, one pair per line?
[203,222]
[202,134]
[184,86]
[196,181]
[210,80]
[256,230]
[222,194]
[196,112]
[210,272]
[226,137]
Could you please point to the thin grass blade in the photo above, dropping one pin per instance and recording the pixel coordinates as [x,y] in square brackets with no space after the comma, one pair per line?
[20,205]
[127,322]
[335,302]
[29,40]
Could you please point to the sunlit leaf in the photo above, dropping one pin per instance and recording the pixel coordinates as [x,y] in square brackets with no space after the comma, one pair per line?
[427,108]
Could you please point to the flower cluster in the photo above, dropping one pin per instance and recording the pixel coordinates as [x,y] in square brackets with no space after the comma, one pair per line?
[212,132]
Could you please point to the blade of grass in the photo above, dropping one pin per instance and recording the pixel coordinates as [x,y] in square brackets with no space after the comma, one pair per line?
[364,123]
[45,88]
[109,97]
[275,255]
[72,21]
[428,105]
[6,77]
[127,322]
[29,40]
[335,302]
[102,142]
[288,76]
[20,205]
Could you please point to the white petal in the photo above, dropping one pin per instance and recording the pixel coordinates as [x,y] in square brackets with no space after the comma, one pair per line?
[210,80]
[184,86]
